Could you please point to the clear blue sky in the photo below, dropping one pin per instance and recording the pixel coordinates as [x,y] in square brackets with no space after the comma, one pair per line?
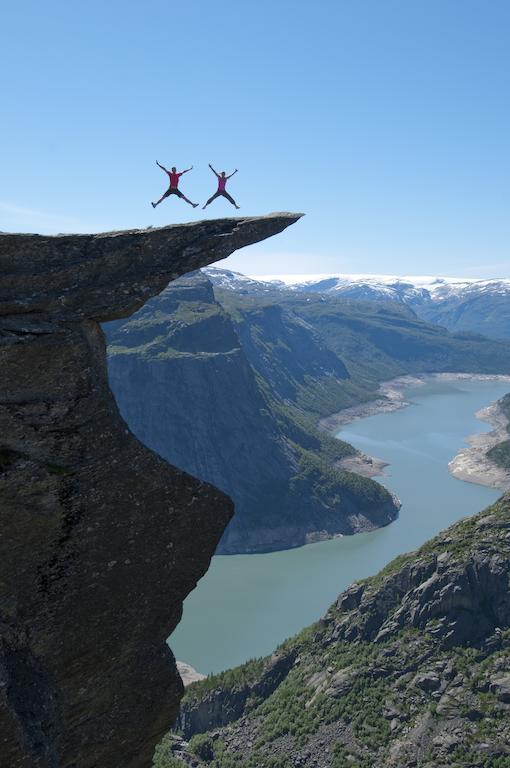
[386,121]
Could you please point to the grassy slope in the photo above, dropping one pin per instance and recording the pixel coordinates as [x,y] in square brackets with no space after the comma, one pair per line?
[302,714]
[501,453]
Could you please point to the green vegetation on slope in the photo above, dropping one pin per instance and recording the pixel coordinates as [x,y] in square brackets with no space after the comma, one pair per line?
[413,663]
[373,341]
[500,453]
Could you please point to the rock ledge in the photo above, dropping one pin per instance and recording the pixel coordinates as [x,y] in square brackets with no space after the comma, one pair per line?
[101,540]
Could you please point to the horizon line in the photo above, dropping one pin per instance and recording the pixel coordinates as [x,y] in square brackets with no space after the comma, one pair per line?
[385,275]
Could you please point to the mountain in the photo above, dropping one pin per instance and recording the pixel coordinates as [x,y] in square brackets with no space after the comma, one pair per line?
[184,381]
[230,384]
[459,304]
[408,668]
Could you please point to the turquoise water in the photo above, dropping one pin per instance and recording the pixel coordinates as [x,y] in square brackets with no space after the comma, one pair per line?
[247,604]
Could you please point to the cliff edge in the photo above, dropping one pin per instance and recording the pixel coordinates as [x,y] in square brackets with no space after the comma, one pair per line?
[101,540]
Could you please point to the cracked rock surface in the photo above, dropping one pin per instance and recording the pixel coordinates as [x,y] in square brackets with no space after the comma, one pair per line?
[100,539]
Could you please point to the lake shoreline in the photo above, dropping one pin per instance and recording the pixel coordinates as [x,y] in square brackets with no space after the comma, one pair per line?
[248,604]
[390,398]
[470,464]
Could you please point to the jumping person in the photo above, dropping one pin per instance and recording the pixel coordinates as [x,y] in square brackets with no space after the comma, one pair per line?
[173,189]
[221,191]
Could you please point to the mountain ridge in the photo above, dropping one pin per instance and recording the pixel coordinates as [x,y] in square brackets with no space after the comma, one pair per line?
[411,666]
[471,304]
[285,361]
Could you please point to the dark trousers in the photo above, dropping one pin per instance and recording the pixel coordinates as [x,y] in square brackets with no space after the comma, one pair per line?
[221,193]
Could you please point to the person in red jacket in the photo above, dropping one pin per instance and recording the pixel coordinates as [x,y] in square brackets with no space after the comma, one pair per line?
[221,191]
[173,189]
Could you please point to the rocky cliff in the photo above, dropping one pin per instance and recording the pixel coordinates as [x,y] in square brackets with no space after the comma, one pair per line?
[408,668]
[101,540]
[216,402]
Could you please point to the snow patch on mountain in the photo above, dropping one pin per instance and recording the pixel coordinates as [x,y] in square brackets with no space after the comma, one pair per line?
[235,281]
[457,303]
[407,288]
[398,287]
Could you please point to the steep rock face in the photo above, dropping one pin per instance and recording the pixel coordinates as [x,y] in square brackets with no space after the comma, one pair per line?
[286,350]
[410,667]
[223,705]
[193,417]
[213,404]
[101,540]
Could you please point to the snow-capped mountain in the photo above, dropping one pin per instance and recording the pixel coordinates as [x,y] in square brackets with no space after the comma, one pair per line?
[235,281]
[407,288]
[468,304]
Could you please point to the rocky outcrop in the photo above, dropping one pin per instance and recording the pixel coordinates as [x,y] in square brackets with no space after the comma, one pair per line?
[222,705]
[460,601]
[101,540]
[410,667]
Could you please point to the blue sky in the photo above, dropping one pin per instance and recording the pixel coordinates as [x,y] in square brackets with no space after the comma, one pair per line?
[386,121]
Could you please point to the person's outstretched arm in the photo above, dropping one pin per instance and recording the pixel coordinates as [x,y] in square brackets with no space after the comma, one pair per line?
[162,167]
[232,174]
[186,171]
[212,169]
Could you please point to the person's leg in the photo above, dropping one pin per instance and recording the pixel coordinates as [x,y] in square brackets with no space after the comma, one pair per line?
[165,194]
[183,197]
[231,199]
[213,197]
[189,201]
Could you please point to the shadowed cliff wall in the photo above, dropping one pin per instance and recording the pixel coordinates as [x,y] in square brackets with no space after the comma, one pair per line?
[101,540]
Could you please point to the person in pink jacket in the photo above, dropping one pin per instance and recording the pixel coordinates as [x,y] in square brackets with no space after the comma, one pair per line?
[221,191]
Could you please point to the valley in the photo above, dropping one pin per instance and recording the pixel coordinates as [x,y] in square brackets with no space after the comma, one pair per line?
[231,385]
[248,604]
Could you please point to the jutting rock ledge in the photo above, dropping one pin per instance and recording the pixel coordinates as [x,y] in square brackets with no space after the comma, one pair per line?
[100,540]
